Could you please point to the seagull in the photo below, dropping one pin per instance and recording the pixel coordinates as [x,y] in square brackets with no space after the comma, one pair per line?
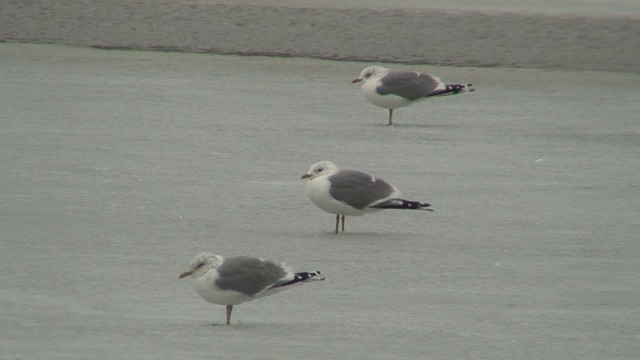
[350,192]
[233,280]
[392,89]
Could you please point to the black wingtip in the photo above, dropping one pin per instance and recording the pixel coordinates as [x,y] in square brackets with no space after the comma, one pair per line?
[403,204]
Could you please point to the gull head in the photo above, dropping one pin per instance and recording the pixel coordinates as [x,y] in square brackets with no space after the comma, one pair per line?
[200,264]
[372,72]
[321,168]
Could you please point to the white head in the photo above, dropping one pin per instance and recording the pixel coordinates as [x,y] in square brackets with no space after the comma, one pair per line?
[372,72]
[321,168]
[200,264]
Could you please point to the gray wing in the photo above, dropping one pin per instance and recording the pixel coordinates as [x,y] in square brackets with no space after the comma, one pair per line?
[357,189]
[408,84]
[248,275]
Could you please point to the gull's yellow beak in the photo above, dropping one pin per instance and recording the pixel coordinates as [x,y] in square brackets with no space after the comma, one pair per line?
[184,274]
[355,81]
[305,176]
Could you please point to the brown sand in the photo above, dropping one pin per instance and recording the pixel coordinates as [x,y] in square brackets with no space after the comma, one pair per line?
[410,36]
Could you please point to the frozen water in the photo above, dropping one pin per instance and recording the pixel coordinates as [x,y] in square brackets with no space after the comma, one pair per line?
[118,167]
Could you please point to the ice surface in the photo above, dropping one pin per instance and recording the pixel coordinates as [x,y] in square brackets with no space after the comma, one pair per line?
[118,167]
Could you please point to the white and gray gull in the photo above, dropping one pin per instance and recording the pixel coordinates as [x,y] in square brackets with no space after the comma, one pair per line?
[350,192]
[234,280]
[392,89]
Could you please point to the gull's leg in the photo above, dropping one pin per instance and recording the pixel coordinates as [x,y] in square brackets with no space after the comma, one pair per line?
[229,309]
[342,223]
[390,116]
[337,222]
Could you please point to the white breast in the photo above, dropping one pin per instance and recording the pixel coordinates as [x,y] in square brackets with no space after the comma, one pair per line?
[205,287]
[387,101]
[318,192]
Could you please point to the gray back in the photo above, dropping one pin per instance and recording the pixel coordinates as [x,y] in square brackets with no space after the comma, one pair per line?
[407,84]
[356,188]
[248,275]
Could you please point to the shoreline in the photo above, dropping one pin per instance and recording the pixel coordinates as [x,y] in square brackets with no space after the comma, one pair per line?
[460,38]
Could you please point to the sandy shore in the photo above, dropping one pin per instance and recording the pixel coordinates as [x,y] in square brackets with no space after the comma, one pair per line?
[415,35]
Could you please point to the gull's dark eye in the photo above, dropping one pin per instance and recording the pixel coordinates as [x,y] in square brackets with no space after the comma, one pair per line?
[320,169]
[199,265]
